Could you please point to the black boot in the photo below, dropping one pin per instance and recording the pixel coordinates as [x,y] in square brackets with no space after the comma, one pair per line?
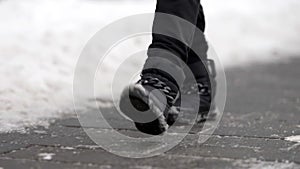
[203,90]
[150,101]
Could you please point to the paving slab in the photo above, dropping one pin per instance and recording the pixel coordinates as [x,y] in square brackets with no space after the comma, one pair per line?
[241,148]
[102,158]
[32,164]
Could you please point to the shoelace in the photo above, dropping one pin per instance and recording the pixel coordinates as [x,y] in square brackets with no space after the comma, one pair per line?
[158,84]
[198,88]
[202,88]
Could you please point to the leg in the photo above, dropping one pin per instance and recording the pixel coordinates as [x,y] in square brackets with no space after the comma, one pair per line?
[194,61]
[185,9]
[202,68]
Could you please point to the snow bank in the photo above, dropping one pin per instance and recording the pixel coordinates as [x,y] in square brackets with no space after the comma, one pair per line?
[245,31]
[41,40]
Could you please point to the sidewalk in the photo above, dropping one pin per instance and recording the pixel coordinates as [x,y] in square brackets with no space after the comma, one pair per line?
[262,110]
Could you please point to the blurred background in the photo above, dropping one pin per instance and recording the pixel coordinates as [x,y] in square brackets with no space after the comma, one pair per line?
[40,41]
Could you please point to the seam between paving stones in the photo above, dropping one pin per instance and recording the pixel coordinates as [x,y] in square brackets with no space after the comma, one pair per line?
[163,155]
[17,149]
[190,133]
[233,136]
[254,137]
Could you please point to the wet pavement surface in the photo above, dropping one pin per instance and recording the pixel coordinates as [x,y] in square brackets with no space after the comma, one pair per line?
[260,128]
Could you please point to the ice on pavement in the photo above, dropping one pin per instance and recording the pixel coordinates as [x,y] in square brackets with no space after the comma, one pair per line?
[46,156]
[41,40]
[293,138]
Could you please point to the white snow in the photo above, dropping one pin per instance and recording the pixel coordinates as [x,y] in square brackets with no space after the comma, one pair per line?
[243,31]
[46,156]
[293,138]
[40,41]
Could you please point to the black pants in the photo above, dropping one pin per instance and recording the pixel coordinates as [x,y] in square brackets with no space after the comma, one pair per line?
[191,11]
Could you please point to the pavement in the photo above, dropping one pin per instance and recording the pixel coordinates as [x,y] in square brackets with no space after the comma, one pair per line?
[259,129]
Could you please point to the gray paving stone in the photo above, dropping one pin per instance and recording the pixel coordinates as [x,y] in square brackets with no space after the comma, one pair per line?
[24,164]
[91,119]
[260,124]
[102,158]
[263,101]
[240,148]
[11,142]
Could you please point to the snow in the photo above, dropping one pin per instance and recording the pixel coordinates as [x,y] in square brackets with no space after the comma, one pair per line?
[46,156]
[39,45]
[293,138]
[246,31]
[42,39]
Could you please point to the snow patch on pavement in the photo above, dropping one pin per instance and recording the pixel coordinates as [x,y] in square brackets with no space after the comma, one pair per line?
[293,138]
[42,39]
[46,156]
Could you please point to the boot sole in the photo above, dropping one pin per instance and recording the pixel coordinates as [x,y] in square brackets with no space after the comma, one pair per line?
[136,104]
